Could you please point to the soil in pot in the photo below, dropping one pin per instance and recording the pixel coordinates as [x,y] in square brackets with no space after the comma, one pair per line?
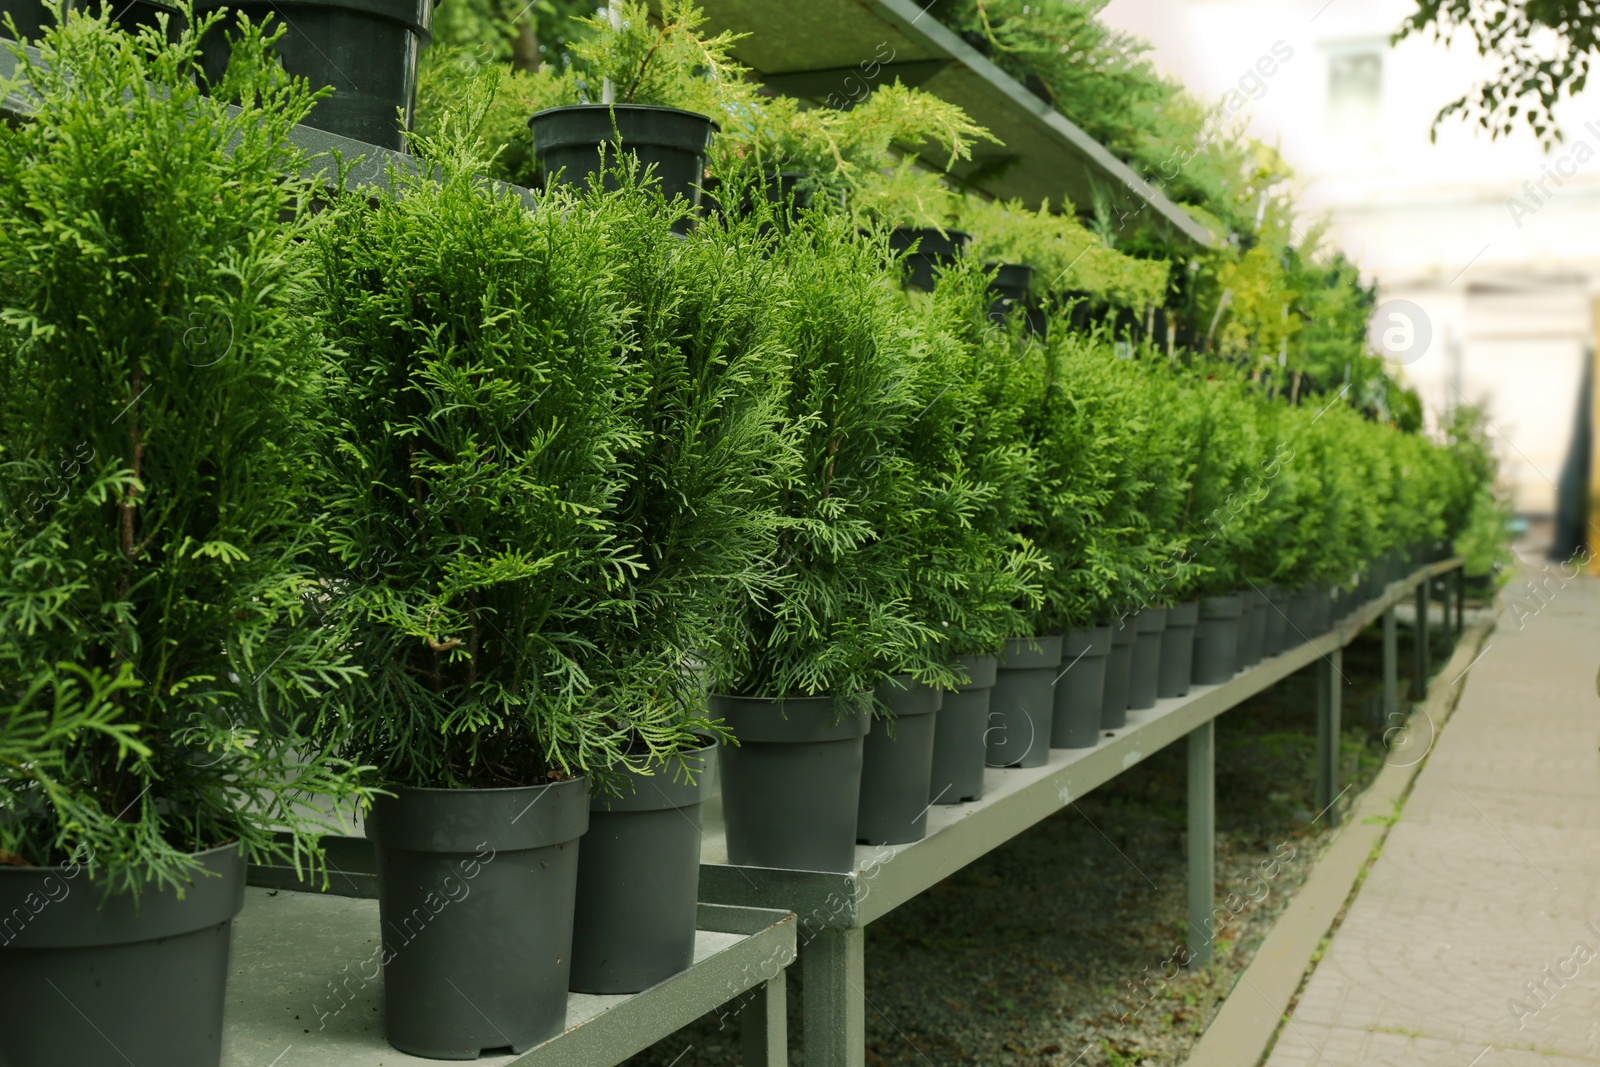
[897,765]
[567,143]
[1177,650]
[476,889]
[958,736]
[791,786]
[1022,706]
[1144,672]
[364,50]
[1080,688]
[639,878]
[149,977]
[1216,639]
[1119,671]
[934,250]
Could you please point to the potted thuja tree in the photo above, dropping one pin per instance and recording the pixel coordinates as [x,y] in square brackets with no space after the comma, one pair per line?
[159,412]
[972,577]
[802,658]
[703,328]
[481,408]
[652,90]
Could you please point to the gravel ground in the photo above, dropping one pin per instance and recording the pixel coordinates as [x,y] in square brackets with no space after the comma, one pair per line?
[1057,948]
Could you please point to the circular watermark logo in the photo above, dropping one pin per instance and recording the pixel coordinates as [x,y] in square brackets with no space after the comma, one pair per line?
[1408,740]
[1400,331]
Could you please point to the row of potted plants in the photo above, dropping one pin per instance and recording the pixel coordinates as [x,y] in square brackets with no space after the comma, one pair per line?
[453,510]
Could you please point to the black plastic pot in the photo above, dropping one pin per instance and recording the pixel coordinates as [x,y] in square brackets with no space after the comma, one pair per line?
[933,250]
[897,765]
[568,142]
[1144,673]
[1177,650]
[475,896]
[1256,633]
[1302,619]
[959,748]
[1377,578]
[792,785]
[134,15]
[1273,637]
[1022,706]
[34,16]
[1216,639]
[365,50]
[639,878]
[1080,688]
[1252,604]
[1119,671]
[89,980]
[1009,293]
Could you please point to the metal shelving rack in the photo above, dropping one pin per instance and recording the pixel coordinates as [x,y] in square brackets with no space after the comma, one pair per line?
[844,48]
[835,908]
[304,979]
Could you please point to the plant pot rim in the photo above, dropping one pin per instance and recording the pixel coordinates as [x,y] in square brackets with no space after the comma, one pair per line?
[667,791]
[626,109]
[979,666]
[94,919]
[910,699]
[461,821]
[415,15]
[812,718]
[1150,620]
[1031,653]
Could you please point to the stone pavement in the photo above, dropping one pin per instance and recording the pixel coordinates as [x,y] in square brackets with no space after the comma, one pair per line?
[1475,940]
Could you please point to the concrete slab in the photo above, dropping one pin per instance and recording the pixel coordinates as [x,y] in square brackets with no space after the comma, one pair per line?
[1475,939]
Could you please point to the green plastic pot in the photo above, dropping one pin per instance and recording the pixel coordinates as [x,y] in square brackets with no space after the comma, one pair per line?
[87,979]
[476,891]
[791,786]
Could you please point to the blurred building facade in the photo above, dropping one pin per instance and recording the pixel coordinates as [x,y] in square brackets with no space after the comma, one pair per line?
[1497,241]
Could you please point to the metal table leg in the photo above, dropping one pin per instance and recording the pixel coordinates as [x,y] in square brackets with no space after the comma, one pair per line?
[1202,841]
[1329,679]
[834,999]
[764,1025]
[1391,670]
[1419,646]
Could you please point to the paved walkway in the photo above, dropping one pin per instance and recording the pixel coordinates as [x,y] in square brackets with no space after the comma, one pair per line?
[1475,940]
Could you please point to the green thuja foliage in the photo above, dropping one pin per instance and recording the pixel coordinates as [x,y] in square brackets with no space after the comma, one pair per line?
[160,410]
[447,75]
[1069,423]
[1111,505]
[479,408]
[1231,465]
[1064,254]
[557,447]
[969,574]
[839,617]
[706,327]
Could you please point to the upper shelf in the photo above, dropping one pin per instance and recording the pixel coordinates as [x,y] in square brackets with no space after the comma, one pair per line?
[841,47]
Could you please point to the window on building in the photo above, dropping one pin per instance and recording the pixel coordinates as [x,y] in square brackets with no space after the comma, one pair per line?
[1355,90]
